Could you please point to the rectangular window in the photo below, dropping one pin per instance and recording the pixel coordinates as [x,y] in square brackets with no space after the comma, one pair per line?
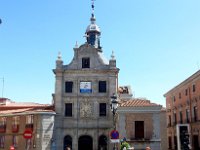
[193,88]
[195,113]
[68,87]
[15,123]
[68,109]
[139,129]
[14,141]
[181,117]
[174,98]
[179,95]
[85,62]
[102,86]
[29,121]
[2,124]
[170,121]
[186,92]
[175,142]
[169,142]
[175,121]
[2,141]
[102,109]
[187,116]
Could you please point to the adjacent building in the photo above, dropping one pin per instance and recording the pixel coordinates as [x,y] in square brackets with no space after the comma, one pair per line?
[141,122]
[183,107]
[25,126]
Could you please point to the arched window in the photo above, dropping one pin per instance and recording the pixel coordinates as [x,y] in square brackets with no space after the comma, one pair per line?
[85,142]
[67,142]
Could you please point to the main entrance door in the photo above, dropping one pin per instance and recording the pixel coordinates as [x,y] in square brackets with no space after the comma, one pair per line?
[85,143]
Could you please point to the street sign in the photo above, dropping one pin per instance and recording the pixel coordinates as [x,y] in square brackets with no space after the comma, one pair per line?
[114,140]
[28,134]
[114,134]
[12,148]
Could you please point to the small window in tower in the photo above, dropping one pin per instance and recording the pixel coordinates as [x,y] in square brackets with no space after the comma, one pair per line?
[85,62]
[102,109]
[68,86]
[102,86]
[68,109]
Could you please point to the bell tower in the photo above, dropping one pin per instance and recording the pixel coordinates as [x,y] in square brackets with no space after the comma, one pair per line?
[93,31]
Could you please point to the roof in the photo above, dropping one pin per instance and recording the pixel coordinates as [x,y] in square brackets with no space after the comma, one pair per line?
[137,103]
[24,107]
[186,81]
[28,110]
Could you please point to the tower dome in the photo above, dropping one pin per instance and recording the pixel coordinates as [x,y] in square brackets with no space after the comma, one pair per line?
[93,27]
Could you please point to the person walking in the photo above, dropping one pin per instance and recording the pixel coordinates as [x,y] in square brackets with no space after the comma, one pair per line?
[148,148]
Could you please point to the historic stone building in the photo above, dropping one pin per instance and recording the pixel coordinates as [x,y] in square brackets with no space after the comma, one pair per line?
[82,95]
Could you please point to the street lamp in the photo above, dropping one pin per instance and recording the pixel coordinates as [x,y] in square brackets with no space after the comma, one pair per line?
[113,106]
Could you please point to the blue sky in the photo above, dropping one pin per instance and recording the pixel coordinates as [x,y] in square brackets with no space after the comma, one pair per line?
[156,43]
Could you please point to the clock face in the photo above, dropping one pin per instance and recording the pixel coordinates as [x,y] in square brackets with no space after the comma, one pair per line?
[85,109]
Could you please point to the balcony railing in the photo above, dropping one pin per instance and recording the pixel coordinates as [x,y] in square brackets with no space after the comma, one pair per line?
[15,128]
[2,128]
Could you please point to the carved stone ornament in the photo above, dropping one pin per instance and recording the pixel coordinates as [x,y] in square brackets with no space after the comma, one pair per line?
[85,109]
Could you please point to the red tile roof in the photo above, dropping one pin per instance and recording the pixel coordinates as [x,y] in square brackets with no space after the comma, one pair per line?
[137,103]
[24,110]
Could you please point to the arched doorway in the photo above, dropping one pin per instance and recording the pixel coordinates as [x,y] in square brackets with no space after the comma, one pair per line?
[102,143]
[67,142]
[85,143]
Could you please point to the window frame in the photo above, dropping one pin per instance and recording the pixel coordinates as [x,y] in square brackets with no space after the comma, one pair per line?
[85,62]
[102,86]
[69,87]
[68,113]
[102,109]
[139,129]
[2,141]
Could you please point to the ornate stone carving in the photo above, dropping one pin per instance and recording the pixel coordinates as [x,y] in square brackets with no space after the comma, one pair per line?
[86,109]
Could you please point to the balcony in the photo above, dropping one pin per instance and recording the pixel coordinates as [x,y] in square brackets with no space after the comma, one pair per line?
[29,126]
[2,128]
[15,128]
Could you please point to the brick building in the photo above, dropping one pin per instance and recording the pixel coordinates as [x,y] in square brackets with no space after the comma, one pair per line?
[183,107]
[16,118]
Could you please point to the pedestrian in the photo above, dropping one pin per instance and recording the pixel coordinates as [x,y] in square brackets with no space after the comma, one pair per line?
[148,148]
[68,148]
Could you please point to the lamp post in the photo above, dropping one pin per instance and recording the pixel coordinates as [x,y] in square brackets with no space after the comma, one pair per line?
[113,106]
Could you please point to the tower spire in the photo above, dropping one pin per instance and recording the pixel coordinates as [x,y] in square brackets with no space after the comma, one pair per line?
[93,8]
[93,31]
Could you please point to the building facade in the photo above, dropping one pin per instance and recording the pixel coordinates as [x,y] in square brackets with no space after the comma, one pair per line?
[25,126]
[82,95]
[139,121]
[183,107]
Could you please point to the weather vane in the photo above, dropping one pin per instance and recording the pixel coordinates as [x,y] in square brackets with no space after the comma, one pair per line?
[93,7]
